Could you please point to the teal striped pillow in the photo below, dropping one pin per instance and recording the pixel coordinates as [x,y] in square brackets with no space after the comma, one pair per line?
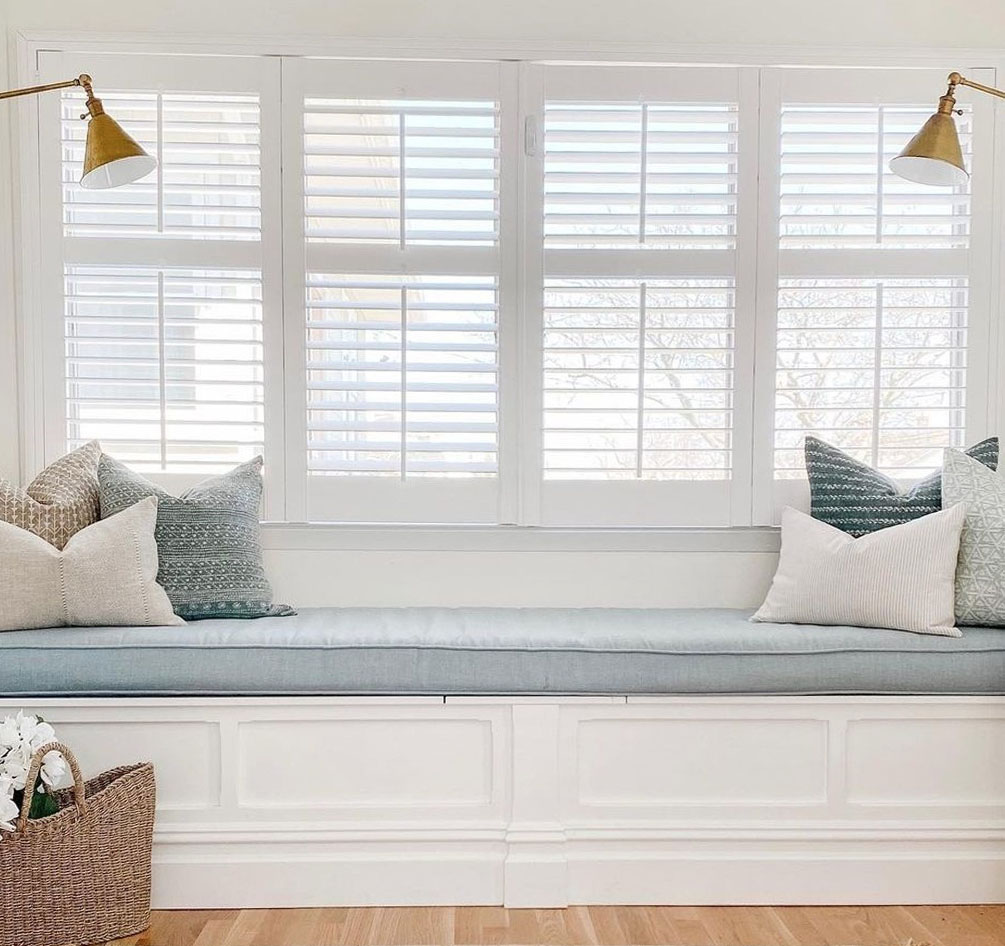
[851,495]
[208,540]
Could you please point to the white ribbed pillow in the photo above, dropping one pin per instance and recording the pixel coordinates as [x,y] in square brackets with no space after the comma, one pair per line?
[902,577]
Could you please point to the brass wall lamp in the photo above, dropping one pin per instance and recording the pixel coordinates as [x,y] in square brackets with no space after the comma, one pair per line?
[111,157]
[933,155]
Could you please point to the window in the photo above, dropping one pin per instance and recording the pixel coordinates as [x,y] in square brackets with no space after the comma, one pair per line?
[398,206]
[640,213]
[163,329]
[875,280]
[484,292]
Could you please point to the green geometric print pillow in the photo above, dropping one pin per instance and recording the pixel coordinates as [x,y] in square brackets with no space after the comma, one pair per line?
[980,572]
[208,540]
[852,496]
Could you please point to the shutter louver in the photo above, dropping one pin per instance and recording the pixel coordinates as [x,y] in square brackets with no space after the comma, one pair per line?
[207,184]
[638,379]
[407,172]
[402,375]
[837,190]
[659,175]
[874,366]
[165,366]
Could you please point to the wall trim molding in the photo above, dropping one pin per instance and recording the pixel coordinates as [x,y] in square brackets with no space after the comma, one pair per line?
[391,47]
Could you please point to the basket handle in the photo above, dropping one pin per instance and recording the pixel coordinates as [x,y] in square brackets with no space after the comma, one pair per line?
[36,767]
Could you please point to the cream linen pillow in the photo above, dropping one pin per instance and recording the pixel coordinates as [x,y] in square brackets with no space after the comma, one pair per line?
[106,575]
[901,577]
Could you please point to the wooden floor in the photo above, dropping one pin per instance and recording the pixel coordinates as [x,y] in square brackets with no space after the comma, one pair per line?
[581,926]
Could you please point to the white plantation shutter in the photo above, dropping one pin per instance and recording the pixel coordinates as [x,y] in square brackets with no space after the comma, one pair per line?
[406,173]
[638,379]
[877,277]
[401,375]
[397,210]
[207,184]
[837,189]
[874,366]
[648,174]
[164,366]
[640,211]
[164,297]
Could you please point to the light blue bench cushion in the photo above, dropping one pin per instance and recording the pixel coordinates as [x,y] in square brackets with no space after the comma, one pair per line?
[497,651]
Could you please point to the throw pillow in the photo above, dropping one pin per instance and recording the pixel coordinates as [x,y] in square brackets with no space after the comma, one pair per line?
[980,574]
[106,575]
[61,500]
[209,540]
[853,496]
[901,577]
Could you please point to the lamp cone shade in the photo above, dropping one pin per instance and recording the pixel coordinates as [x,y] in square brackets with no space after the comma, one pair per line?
[112,157]
[933,155]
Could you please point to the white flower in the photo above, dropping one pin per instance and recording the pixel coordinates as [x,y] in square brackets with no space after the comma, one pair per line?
[8,810]
[34,732]
[20,737]
[15,766]
[8,813]
[9,735]
[53,768]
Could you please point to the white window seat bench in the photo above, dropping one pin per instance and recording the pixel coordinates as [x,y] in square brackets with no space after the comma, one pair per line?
[539,757]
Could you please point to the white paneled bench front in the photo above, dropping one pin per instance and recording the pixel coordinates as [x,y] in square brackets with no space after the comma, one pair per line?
[540,757]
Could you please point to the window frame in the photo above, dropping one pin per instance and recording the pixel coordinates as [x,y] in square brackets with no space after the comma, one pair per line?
[520,489]
[642,503]
[240,75]
[890,86]
[478,499]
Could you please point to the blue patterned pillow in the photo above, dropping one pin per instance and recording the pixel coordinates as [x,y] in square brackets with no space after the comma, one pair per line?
[208,540]
[852,496]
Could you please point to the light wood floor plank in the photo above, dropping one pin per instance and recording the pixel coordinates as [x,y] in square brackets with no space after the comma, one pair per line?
[799,926]
[957,926]
[581,926]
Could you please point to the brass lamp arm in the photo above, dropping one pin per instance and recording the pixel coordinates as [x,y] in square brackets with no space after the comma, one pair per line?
[83,81]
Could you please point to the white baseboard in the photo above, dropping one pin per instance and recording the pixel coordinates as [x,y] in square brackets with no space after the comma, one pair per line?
[276,802]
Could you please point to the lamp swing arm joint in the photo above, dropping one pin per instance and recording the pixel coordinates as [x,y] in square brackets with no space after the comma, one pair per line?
[956,79]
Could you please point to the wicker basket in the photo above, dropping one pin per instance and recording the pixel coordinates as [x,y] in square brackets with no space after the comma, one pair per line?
[81,875]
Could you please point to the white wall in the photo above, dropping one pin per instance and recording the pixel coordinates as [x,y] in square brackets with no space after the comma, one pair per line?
[905,24]
[374,566]
[8,362]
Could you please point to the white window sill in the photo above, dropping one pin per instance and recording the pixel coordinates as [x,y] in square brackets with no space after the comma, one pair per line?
[483,538]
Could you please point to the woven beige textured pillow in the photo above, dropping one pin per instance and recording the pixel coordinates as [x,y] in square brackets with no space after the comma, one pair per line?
[60,501]
[106,575]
